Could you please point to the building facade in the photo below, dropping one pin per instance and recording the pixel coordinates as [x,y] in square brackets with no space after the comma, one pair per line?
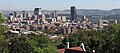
[73,13]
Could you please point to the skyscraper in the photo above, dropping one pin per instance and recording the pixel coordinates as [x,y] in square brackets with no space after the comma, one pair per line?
[54,14]
[28,16]
[15,14]
[73,13]
[23,13]
[100,22]
[37,11]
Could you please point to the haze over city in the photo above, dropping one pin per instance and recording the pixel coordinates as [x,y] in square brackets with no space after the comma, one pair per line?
[58,4]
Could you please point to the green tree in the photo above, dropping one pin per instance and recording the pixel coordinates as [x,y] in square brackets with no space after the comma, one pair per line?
[2,20]
[103,41]
[42,40]
[3,47]
[22,44]
[112,37]
[45,43]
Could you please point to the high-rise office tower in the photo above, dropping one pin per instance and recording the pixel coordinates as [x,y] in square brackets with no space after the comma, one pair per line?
[28,16]
[11,16]
[54,14]
[15,14]
[100,22]
[37,11]
[23,13]
[73,13]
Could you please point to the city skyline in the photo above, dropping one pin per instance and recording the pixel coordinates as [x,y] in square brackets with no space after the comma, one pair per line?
[58,4]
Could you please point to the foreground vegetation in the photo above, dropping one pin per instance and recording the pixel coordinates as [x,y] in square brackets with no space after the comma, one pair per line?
[102,41]
[26,44]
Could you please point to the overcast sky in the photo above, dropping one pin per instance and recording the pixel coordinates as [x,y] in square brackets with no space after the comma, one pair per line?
[58,4]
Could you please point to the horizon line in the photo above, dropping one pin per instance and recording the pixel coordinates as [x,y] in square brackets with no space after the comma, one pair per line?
[59,9]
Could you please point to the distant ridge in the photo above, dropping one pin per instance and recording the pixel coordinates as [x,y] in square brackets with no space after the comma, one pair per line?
[79,12]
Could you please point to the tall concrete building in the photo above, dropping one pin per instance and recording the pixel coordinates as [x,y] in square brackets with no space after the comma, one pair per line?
[37,11]
[54,14]
[16,14]
[73,13]
[100,22]
[23,13]
[28,16]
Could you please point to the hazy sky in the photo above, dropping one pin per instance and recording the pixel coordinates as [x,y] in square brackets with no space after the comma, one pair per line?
[58,4]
